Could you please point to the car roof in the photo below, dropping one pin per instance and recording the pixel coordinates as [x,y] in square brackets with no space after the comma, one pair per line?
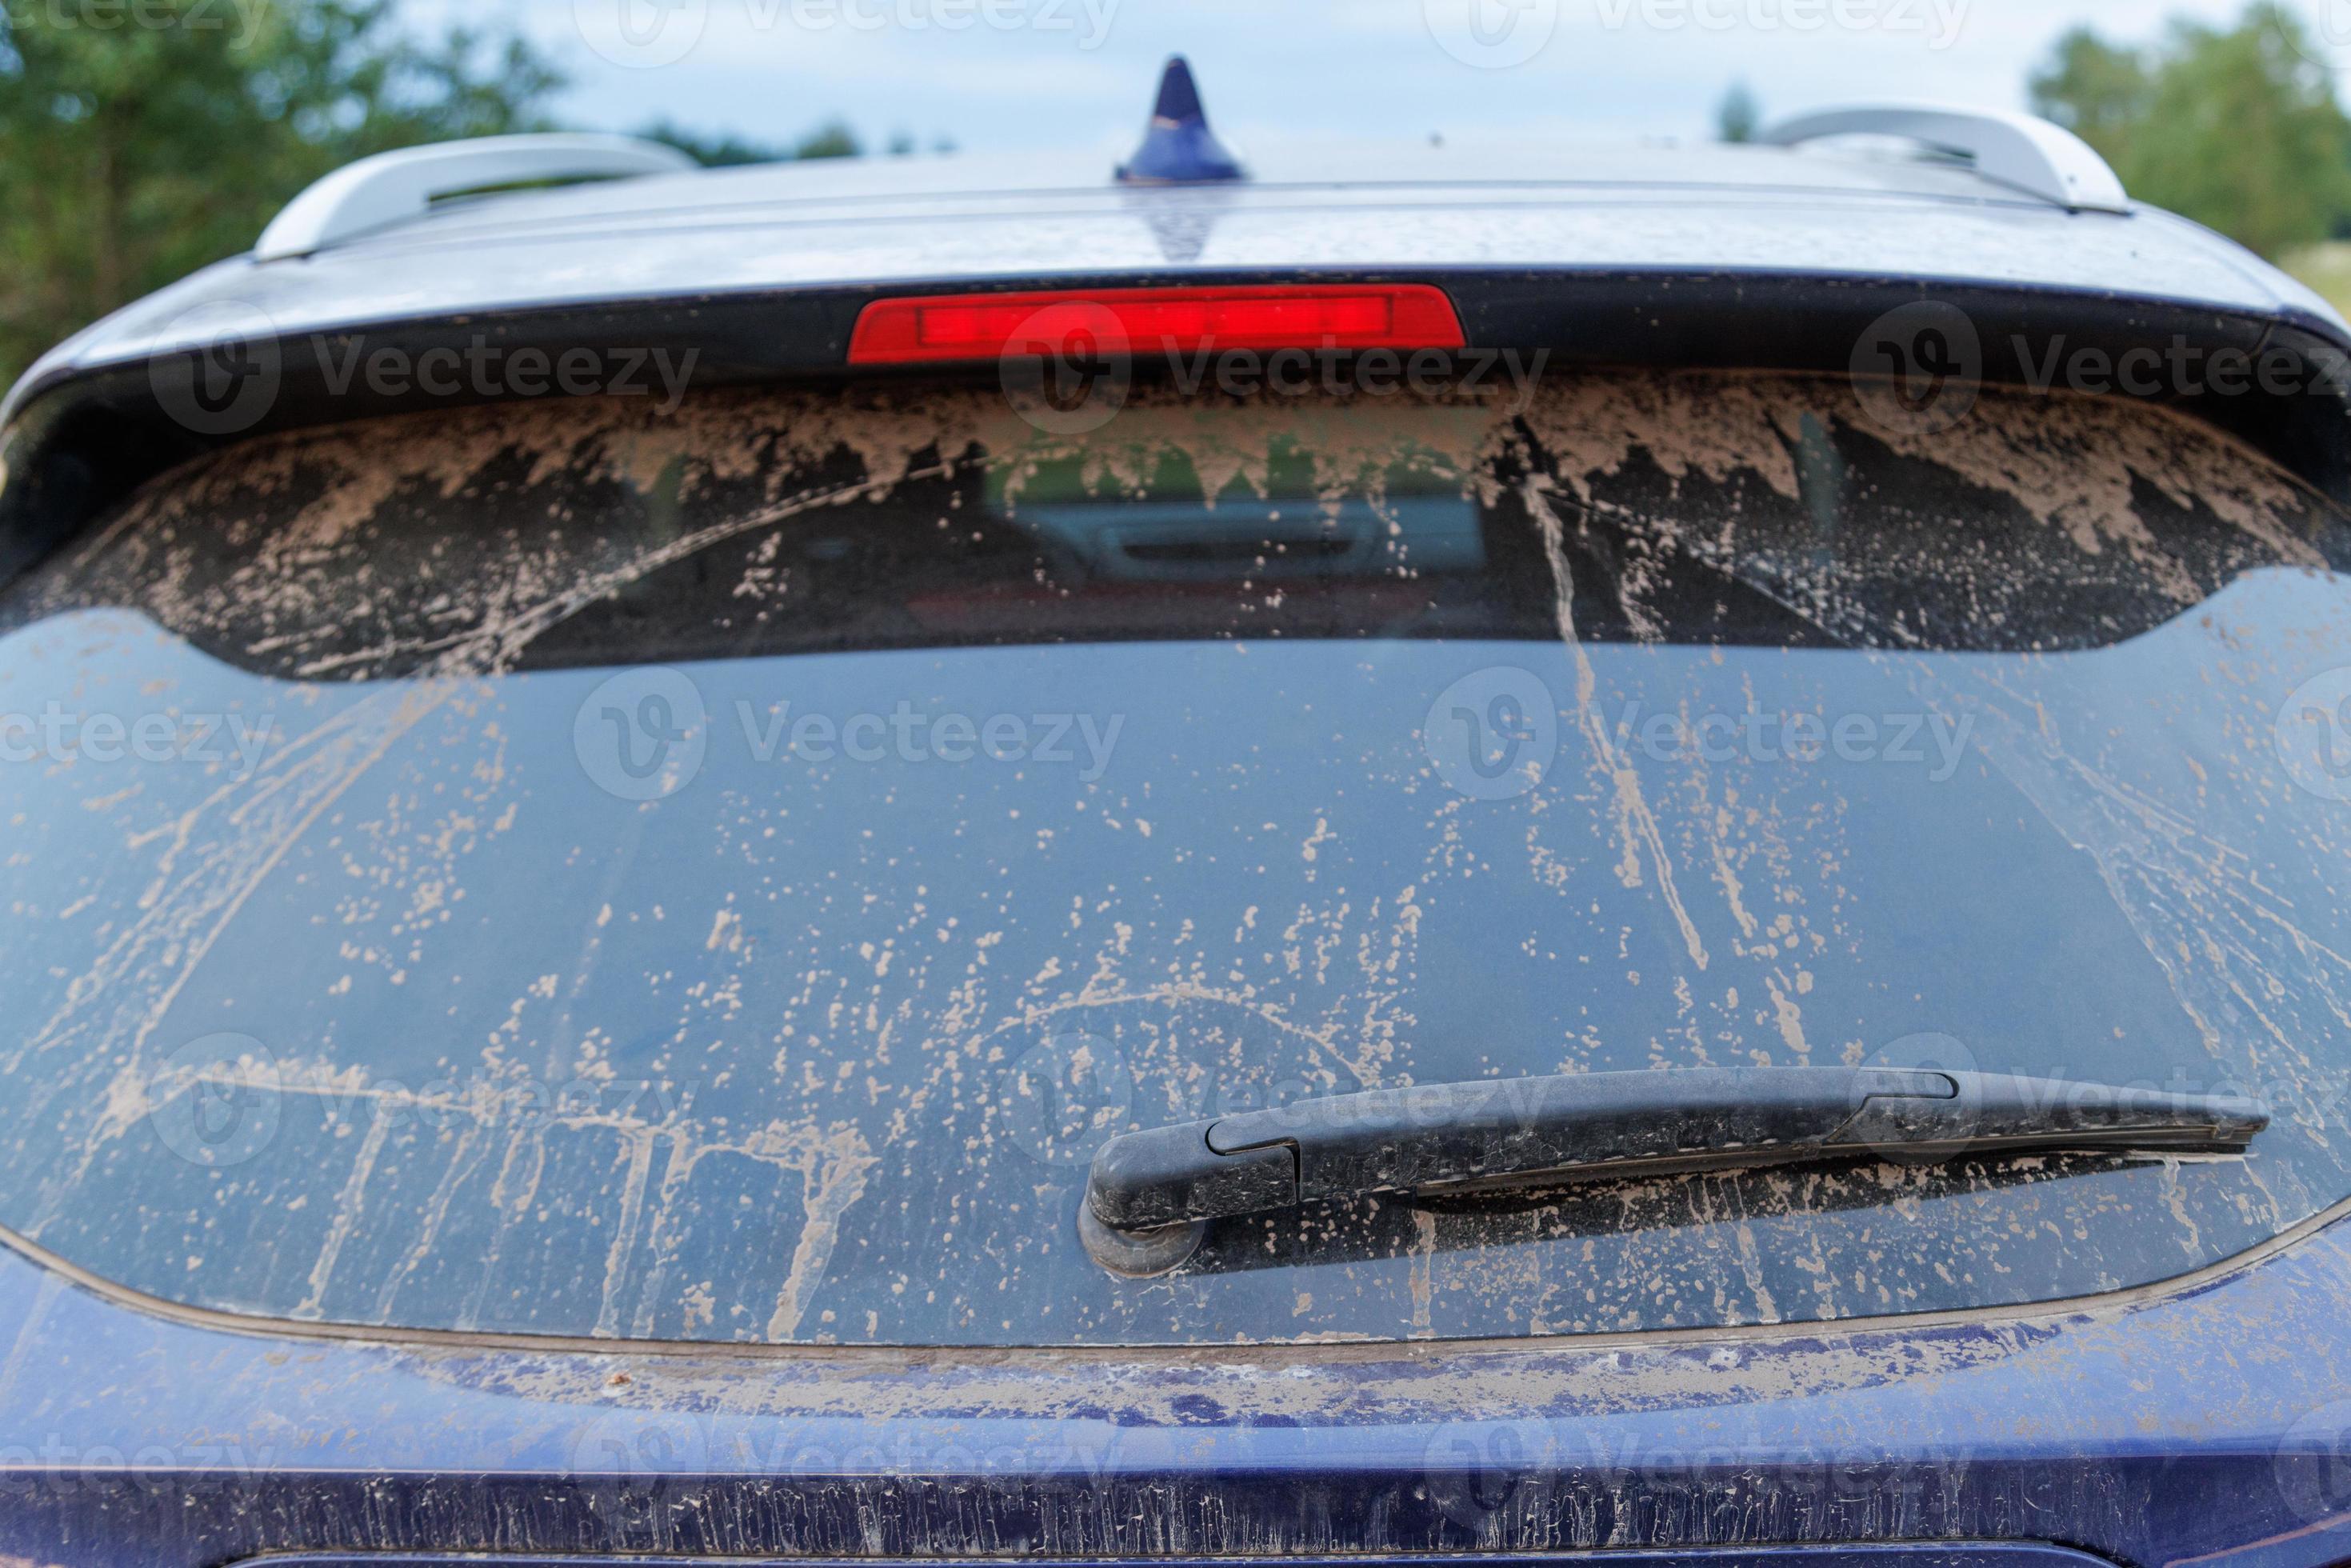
[1815,212]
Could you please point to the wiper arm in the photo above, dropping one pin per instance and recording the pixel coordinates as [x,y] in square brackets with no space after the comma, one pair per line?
[1150,1193]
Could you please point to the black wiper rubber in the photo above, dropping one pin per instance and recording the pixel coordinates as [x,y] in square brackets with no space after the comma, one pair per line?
[1607,1126]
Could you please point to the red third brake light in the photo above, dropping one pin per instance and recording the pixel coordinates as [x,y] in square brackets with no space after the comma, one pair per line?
[946,328]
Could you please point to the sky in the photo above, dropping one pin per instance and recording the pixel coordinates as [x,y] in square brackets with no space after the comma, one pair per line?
[1011,75]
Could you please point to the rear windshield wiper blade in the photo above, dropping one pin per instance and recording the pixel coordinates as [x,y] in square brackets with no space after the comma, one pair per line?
[1150,1192]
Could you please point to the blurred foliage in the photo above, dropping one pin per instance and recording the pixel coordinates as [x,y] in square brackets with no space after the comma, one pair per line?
[832,141]
[833,138]
[1738,117]
[2238,127]
[142,138]
[2326,269]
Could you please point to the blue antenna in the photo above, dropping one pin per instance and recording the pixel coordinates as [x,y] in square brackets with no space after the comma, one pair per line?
[1179,148]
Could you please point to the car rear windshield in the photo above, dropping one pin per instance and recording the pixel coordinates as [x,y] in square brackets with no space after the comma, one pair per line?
[719,874]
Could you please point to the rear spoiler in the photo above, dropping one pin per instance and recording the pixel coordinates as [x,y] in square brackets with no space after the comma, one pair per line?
[78,438]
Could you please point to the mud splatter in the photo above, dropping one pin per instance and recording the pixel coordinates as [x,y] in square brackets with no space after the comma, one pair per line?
[814,1052]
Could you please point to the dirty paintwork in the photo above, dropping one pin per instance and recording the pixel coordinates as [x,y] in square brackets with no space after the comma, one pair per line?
[1963,1554]
[2202,1425]
[813,1051]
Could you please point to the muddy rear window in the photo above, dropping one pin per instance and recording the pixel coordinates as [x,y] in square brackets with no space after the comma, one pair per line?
[719,875]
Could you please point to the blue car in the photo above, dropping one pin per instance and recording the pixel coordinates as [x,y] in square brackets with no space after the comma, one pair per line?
[1422,854]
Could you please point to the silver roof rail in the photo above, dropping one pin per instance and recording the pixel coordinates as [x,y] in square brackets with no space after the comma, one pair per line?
[396,187]
[2017,149]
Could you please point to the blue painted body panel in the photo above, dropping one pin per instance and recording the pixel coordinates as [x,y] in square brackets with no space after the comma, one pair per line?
[1965,1555]
[2204,1425]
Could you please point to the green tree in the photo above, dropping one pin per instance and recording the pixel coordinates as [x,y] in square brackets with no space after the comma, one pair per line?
[1738,117]
[141,139]
[724,150]
[2095,90]
[833,138]
[2237,128]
